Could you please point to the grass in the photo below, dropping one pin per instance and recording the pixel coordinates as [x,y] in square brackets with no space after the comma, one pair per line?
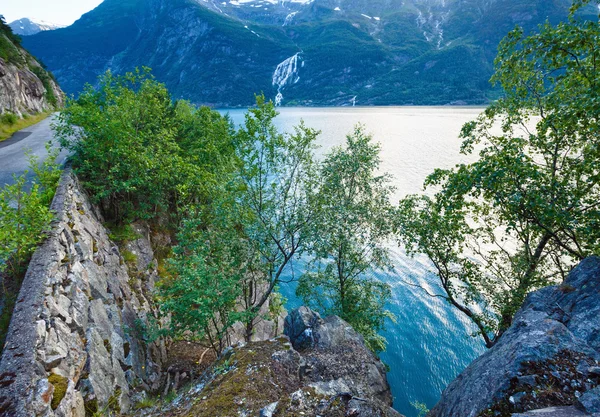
[146,402]
[121,234]
[8,129]
[9,304]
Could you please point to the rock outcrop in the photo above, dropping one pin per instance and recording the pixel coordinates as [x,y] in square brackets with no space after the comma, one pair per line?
[336,356]
[548,359]
[23,92]
[76,342]
[322,369]
[25,86]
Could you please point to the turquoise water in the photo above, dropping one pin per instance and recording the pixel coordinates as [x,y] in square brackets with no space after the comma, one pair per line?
[430,343]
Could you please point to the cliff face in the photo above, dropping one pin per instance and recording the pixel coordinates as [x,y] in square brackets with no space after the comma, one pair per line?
[322,368]
[25,86]
[24,92]
[548,359]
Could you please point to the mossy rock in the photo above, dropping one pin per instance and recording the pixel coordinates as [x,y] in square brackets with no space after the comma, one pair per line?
[247,381]
[129,257]
[60,384]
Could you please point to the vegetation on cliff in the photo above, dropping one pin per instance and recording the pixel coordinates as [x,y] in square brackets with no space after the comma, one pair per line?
[28,91]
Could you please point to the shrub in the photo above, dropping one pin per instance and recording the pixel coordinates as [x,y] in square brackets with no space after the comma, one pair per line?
[8,118]
[138,153]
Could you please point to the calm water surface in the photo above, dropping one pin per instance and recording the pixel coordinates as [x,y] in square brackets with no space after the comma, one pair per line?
[430,343]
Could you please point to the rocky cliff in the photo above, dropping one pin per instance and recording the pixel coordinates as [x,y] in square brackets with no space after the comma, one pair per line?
[25,86]
[547,361]
[320,368]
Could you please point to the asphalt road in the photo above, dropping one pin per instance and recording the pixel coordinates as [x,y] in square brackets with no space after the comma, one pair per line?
[13,159]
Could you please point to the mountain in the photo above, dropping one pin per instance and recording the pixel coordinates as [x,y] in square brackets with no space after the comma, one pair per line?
[26,26]
[300,52]
[25,86]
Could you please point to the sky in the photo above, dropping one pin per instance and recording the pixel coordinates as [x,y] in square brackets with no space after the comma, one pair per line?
[62,12]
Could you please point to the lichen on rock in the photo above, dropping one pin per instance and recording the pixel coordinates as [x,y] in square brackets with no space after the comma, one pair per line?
[335,376]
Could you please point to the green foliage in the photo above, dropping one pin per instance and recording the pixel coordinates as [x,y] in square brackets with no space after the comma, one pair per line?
[8,32]
[47,174]
[526,211]
[122,233]
[211,268]
[8,118]
[10,44]
[278,176]
[230,259]
[25,215]
[351,222]
[129,257]
[146,402]
[46,79]
[141,155]
[276,305]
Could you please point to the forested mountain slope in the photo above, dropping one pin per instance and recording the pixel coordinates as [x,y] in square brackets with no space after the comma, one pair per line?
[307,52]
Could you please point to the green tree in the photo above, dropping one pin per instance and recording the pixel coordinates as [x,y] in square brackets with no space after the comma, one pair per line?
[277,176]
[527,210]
[352,221]
[206,143]
[122,140]
[140,154]
[211,268]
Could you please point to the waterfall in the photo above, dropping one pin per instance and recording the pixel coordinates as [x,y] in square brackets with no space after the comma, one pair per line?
[286,73]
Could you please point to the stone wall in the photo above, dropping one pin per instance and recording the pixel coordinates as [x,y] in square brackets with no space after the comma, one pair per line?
[76,340]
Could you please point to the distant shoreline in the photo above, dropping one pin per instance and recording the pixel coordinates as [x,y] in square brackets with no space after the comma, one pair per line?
[407,106]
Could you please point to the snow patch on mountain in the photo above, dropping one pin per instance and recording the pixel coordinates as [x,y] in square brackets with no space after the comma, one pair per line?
[289,18]
[256,3]
[285,74]
[28,26]
[431,21]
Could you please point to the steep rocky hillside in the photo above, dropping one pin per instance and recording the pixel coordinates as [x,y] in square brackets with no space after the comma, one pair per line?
[25,86]
[308,52]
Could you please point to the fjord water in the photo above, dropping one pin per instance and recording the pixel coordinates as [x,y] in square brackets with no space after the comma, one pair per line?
[430,343]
